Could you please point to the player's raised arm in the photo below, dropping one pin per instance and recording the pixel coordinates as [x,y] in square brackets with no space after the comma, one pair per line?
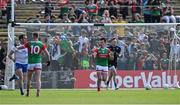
[49,58]
[47,53]
[10,55]
[94,50]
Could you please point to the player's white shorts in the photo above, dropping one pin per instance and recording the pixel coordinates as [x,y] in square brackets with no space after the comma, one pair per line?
[35,66]
[101,68]
[112,68]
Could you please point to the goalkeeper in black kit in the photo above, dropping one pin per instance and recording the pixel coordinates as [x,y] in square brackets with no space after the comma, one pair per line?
[112,64]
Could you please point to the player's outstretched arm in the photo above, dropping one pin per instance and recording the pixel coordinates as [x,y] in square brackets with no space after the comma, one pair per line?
[10,55]
[21,47]
[94,52]
[49,58]
[111,55]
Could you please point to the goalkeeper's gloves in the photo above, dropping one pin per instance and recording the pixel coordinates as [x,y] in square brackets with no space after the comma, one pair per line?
[48,63]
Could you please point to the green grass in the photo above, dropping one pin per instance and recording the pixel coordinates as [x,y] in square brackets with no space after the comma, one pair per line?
[59,96]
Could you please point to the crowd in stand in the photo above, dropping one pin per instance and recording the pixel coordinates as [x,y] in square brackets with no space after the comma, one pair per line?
[132,11]
[141,48]
[2,61]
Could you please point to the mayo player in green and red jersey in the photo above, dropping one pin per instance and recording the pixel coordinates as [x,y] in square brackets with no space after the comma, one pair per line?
[35,49]
[102,55]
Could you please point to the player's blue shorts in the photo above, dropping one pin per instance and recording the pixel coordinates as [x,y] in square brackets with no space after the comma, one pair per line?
[21,66]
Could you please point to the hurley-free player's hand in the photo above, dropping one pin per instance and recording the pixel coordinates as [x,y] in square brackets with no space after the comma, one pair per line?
[48,63]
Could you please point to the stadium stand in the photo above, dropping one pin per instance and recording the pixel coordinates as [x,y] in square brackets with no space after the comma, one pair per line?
[30,10]
[35,12]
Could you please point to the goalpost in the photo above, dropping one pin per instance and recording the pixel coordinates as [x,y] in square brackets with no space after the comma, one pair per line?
[9,70]
[51,30]
[174,57]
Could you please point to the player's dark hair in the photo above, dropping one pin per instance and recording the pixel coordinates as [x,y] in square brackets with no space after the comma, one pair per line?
[21,37]
[35,35]
[104,39]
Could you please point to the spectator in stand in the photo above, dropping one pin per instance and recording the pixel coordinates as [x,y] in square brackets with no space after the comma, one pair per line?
[136,6]
[47,19]
[112,8]
[8,11]
[75,29]
[156,11]
[154,44]
[22,1]
[94,19]
[164,62]
[167,45]
[147,12]
[106,19]
[168,13]
[113,19]
[124,7]
[50,29]
[83,39]
[71,13]
[120,29]
[30,30]
[77,11]
[144,41]
[63,5]
[65,18]
[137,18]
[132,61]
[149,61]
[48,7]
[86,2]
[91,9]
[140,59]
[3,4]
[83,18]
[133,46]
[122,62]
[37,19]
[103,5]
[162,48]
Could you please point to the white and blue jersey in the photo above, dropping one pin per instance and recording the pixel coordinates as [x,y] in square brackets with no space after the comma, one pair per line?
[21,58]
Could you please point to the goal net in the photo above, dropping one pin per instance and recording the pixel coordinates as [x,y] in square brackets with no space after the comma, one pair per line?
[143,47]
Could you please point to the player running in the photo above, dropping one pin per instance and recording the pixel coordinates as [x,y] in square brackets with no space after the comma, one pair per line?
[21,62]
[113,62]
[35,49]
[102,54]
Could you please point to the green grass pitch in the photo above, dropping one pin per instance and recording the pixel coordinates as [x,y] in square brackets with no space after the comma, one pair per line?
[76,96]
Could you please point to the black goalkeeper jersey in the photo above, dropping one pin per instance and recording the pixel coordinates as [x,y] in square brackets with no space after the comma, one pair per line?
[116,50]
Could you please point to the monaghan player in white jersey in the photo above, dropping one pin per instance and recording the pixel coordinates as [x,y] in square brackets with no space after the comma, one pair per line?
[21,62]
